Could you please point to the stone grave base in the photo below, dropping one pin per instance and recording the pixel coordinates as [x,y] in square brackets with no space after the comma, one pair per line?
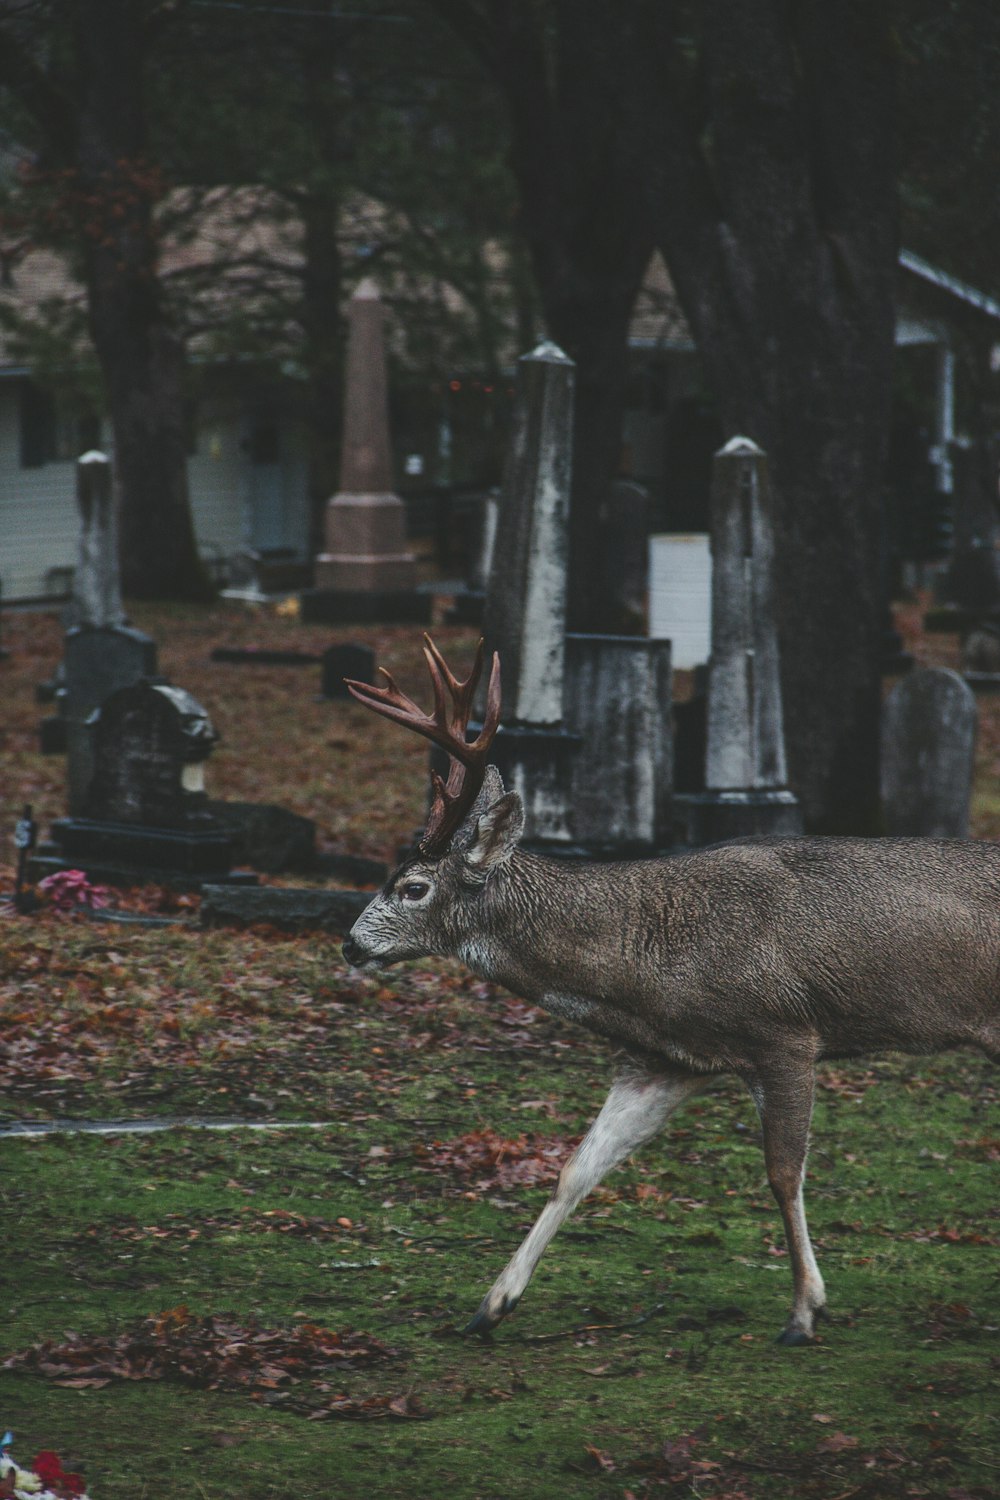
[357,607]
[132,854]
[282,906]
[710,817]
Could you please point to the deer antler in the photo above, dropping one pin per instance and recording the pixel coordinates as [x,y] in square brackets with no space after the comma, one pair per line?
[446,727]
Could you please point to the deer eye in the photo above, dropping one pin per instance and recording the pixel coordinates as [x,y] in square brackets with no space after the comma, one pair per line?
[415,890]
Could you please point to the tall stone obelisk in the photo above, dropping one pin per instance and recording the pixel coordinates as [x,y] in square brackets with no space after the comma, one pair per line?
[365,571]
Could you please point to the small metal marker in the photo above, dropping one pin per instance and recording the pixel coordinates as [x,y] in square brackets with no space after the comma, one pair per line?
[25,834]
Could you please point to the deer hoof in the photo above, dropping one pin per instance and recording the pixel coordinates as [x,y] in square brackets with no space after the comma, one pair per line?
[486,1319]
[794,1338]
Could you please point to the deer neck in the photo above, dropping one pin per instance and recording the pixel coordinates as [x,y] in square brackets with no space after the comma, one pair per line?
[527,938]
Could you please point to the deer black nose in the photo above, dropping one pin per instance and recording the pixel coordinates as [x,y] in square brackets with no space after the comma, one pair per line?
[352,952]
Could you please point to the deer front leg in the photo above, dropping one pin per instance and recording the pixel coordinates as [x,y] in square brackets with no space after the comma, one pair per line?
[784,1101]
[636,1108]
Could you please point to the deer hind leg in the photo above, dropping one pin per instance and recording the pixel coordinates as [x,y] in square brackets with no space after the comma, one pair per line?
[635,1110]
[785,1106]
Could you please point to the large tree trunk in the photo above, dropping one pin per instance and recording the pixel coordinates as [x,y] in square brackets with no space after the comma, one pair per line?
[585,222]
[780,235]
[141,358]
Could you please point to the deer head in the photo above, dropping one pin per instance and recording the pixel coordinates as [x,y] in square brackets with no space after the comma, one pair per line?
[429,904]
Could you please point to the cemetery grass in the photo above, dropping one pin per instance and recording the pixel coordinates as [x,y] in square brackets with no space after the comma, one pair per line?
[641,1361]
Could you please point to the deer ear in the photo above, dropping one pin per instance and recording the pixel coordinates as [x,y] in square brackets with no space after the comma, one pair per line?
[497,834]
[491,791]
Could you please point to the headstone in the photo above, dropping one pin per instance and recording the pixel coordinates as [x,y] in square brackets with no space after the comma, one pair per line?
[143,814]
[526,597]
[928,745]
[618,691]
[624,546]
[746,790]
[525,616]
[365,571]
[345,660]
[99,660]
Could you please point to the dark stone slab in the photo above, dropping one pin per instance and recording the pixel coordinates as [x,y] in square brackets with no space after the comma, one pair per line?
[83,842]
[291,909]
[346,659]
[119,872]
[355,607]
[266,836]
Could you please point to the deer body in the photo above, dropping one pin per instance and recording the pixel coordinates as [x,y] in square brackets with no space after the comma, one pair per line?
[839,947]
[758,958]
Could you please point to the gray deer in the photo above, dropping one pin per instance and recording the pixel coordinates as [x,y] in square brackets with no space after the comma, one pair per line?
[759,958]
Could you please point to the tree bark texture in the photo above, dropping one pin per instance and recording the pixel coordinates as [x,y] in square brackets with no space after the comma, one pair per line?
[587,228]
[141,357]
[777,218]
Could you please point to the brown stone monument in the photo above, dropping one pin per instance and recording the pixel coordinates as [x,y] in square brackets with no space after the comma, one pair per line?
[365,571]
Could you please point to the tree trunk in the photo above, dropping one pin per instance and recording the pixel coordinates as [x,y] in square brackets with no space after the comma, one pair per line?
[585,222]
[141,358]
[781,241]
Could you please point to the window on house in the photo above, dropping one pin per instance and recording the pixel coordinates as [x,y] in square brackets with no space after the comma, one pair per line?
[39,426]
[54,430]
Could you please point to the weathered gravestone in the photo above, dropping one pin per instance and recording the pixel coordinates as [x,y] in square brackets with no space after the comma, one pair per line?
[746,780]
[345,660]
[99,660]
[143,814]
[618,692]
[525,616]
[928,745]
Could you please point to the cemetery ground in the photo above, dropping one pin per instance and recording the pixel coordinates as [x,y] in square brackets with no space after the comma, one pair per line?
[272,1313]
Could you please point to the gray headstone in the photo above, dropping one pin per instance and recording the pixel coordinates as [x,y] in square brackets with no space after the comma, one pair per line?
[99,660]
[928,744]
[526,600]
[150,742]
[618,693]
[346,660]
[746,742]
